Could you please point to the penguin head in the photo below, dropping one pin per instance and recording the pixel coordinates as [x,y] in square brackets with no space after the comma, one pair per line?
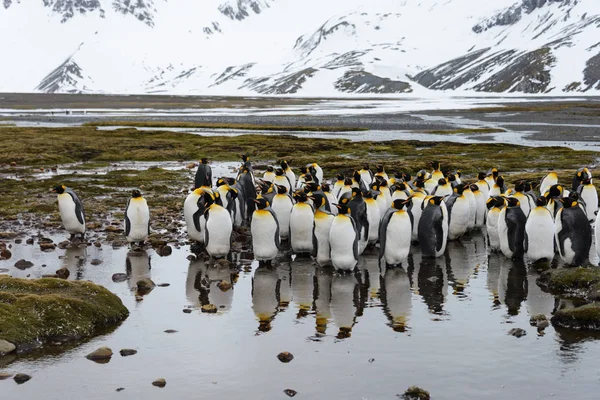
[356,192]
[270,168]
[399,204]
[311,187]
[279,172]
[340,177]
[367,194]
[569,202]
[554,191]
[204,160]
[381,181]
[261,203]
[512,202]
[308,177]
[303,170]
[541,201]
[284,164]
[406,177]
[326,188]
[435,165]
[356,176]
[421,174]
[436,200]
[366,166]
[527,186]
[318,200]
[400,187]
[586,181]
[474,188]
[458,173]
[136,194]
[420,183]
[520,186]
[245,158]
[300,196]
[343,206]
[207,198]
[233,193]
[451,178]
[60,189]
[442,182]
[481,176]
[495,172]
[348,181]
[582,173]
[281,189]
[221,182]
[496,201]
[459,189]
[500,181]
[380,168]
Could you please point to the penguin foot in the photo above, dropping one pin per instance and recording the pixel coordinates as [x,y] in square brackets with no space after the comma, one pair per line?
[72,237]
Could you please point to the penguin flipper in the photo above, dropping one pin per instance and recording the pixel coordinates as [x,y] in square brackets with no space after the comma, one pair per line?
[526,242]
[356,239]
[383,231]
[127,221]
[196,218]
[206,215]
[79,212]
[277,237]
[439,232]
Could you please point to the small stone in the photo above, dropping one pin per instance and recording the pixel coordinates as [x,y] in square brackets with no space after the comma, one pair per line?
[416,393]
[98,244]
[285,357]
[127,352]
[138,298]
[371,360]
[119,389]
[224,286]
[163,285]
[63,273]
[5,375]
[187,310]
[21,378]
[6,347]
[119,278]
[191,257]
[290,392]
[64,244]
[165,251]
[5,254]
[209,308]
[23,264]
[95,261]
[541,325]
[161,383]
[103,354]
[539,320]
[145,286]
[517,332]
[29,241]
[47,246]
[171,331]
[191,166]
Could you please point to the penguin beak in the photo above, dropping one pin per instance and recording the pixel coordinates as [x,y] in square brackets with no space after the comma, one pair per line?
[256,201]
[52,190]
[338,206]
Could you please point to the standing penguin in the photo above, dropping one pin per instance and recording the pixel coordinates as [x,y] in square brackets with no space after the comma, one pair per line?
[203,175]
[498,188]
[71,211]
[358,209]
[323,221]
[194,218]
[549,180]
[381,172]
[458,213]
[483,186]
[366,175]
[587,192]
[401,191]
[573,233]
[316,171]
[511,229]
[137,218]
[491,177]
[396,234]
[288,172]
[331,199]
[282,179]
[597,232]
[443,188]
[468,193]
[581,175]
[343,239]
[302,223]
[218,228]
[539,233]
[416,209]
[524,200]
[248,191]
[437,173]
[373,216]
[269,175]
[265,232]
[338,185]
[433,227]
[481,210]
[494,205]
[282,207]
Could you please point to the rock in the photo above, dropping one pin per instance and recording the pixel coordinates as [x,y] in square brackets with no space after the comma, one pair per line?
[290,392]
[165,251]
[29,241]
[97,244]
[285,357]
[47,246]
[191,166]
[96,261]
[63,273]
[5,254]
[63,245]
[223,263]
[416,393]
[113,229]
[171,331]
[21,378]
[581,282]
[584,317]
[163,285]
[119,389]
[161,383]
[138,298]
[6,347]
[224,286]
[23,264]
[209,308]
[517,332]
[191,257]
[145,286]
[5,375]
[538,320]
[119,278]
[127,352]
[187,310]
[101,354]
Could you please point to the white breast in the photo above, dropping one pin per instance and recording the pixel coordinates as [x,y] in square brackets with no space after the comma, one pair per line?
[218,231]
[66,208]
[301,228]
[481,211]
[282,207]
[492,228]
[460,218]
[322,229]
[190,206]
[540,234]
[139,218]
[263,228]
[341,240]
[398,238]
[503,234]
[374,217]
[590,197]
[472,208]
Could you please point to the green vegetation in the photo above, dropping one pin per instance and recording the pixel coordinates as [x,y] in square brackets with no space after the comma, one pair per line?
[416,393]
[583,282]
[584,317]
[465,130]
[222,125]
[47,309]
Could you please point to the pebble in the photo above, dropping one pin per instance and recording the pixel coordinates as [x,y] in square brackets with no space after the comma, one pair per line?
[290,392]
[6,347]
[47,246]
[163,285]
[127,352]
[171,331]
[517,332]
[96,261]
[23,264]
[101,354]
[187,310]
[119,278]
[165,251]
[159,383]
[21,378]
[63,273]
[145,286]
[285,357]
[224,286]
[209,308]
[5,254]
[5,375]
[119,389]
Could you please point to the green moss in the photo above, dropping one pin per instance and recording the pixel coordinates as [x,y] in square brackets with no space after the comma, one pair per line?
[581,282]
[584,317]
[416,393]
[46,309]
[465,130]
[222,125]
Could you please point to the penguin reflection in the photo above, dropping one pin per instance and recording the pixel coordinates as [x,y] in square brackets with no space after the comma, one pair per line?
[74,260]
[265,296]
[493,278]
[397,298]
[459,267]
[432,283]
[538,301]
[209,285]
[323,279]
[513,285]
[285,289]
[137,265]
[369,268]
[303,272]
[344,303]
[196,287]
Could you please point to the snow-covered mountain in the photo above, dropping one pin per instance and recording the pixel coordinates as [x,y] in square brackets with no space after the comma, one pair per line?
[304,47]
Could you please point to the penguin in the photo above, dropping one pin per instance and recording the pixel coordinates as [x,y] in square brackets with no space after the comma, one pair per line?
[344,302]
[203,176]
[248,190]
[588,194]
[357,181]
[218,228]
[338,185]
[331,199]
[401,192]
[228,196]
[302,222]
[553,196]
[137,218]
[458,176]
[264,229]
[458,213]
[443,188]
[380,198]
[288,172]
[483,186]
[498,188]
[573,233]
[358,210]
[282,179]
[547,181]
[539,233]
[265,296]
[451,178]
[491,177]
[373,216]
[318,172]
[437,173]
[494,205]
[384,190]
[468,193]
[343,239]
[366,175]
[597,233]
[524,200]
[511,229]
[192,213]
[282,207]
[71,211]
[433,227]
[396,234]
[579,177]
[300,181]
[422,176]
[415,210]
[323,221]
[381,172]
[346,189]
[481,210]
[432,184]
[269,175]
[396,297]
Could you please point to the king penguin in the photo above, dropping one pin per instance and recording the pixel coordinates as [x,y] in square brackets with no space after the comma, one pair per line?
[338,185]
[282,179]
[573,233]
[483,186]
[437,173]
[191,214]
[416,209]
[511,229]
[539,233]
[373,215]
[366,175]
[524,200]
[269,175]
[137,218]
[433,227]
[282,207]
[481,210]
[498,188]
[581,175]
[323,221]
[218,228]
[587,192]
[549,180]
[381,172]
[203,175]
[491,177]
[358,210]
[265,232]
[458,213]
[494,205]
[288,172]
[443,188]
[468,193]
[343,239]
[331,199]
[71,211]
[248,191]
[396,234]
[302,223]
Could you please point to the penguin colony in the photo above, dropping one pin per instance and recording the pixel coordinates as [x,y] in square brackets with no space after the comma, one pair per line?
[334,222]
